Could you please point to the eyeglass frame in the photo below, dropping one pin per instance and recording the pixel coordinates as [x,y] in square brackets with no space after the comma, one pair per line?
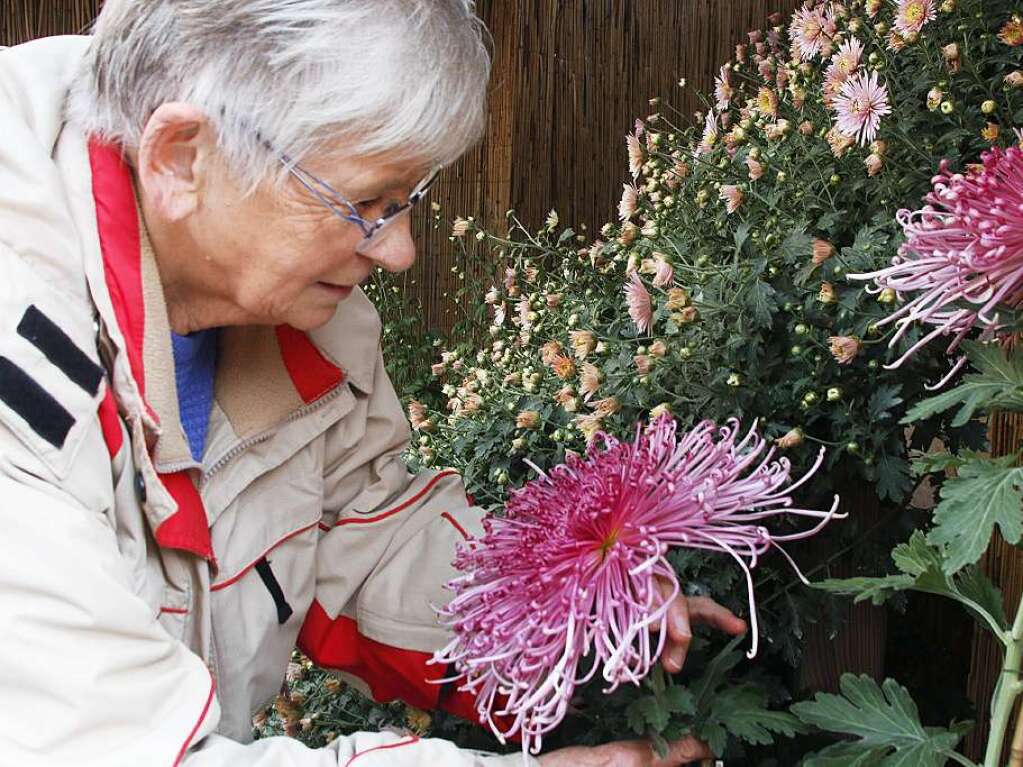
[370,229]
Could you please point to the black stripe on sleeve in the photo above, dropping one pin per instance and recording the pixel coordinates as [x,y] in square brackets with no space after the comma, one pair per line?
[59,349]
[266,575]
[24,396]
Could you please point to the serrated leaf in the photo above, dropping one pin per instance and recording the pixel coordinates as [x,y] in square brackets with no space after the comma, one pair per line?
[797,246]
[678,700]
[921,569]
[883,400]
[893,480]
[744,713]
[881,718]
[997,383]
[845,755]
[985,493]
[762,303]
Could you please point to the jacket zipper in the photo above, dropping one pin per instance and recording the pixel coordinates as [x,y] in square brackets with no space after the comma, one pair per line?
[245,444]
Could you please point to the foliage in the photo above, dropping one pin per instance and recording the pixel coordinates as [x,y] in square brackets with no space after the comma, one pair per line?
[884,719]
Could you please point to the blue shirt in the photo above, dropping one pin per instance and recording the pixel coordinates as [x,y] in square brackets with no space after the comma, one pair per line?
[195,361]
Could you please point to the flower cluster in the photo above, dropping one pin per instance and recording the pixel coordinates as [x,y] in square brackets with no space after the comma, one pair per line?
[569,573]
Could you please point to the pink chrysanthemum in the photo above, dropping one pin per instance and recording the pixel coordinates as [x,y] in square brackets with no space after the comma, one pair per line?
[723,89]
[635,152]
[808,31]
[571,571]
[860,105]
[963,255]
[732,195]
[638,300]
[911,15]
[847,60]
[710,134]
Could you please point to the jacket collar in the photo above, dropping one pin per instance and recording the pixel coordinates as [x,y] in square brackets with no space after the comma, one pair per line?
[265,375]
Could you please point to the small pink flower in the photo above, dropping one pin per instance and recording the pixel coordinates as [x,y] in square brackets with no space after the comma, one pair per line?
[844,348]
[808,31]
[635,151]
[911,15]
[860,105]
[710,135]
[723,89]
[570,571]
[767,102]
[847,60]
[638,300]
[629,201]
[756,169]
[663,273]
[732,195]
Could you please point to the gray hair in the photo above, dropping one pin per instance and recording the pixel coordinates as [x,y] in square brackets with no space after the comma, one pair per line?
[407,77]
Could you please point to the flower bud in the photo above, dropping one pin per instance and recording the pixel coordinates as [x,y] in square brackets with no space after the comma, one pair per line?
[834,394]
[886,296]
[794,438]
[527,419]
[827,293]
[822,251]
[988,106]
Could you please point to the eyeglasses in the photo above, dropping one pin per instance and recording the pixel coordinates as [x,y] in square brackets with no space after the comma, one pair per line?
[375,231]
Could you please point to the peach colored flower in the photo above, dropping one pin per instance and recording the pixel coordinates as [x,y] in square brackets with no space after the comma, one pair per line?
[605,407]
[732,195]
[806,128]
[527,419]
[663,273]
[643,363]
[794,438]
[589,425]
[822,251]
[460,227]
[629,201]
[767,102]
[874,163]
[756,170]
[1012,32]
[1015,78]
[583,342]
[553,300]
[827,293]
[677,299]
[951,54]
[844,348]
[417,414]
[550,351]
[912,15]
[658,349]
[590,379]
[563,367]
[635,152]
[638,300]
[564,394]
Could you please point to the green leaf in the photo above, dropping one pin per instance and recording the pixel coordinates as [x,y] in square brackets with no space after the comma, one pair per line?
[797,246]
[761,302]
[985,493]
[883,719]
[845,755]
[883,400]
[893,480]
[744,713]
[997,383]
[921,568]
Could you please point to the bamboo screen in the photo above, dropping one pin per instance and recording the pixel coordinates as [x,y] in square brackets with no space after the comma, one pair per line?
[570,77]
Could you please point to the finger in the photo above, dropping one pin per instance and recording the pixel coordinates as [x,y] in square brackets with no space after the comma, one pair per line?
[665,590]
[680,635]
[684,751]
[707,612]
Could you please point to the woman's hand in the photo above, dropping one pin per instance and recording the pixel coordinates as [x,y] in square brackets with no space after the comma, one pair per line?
[627,753]
[686,612]
[683,613]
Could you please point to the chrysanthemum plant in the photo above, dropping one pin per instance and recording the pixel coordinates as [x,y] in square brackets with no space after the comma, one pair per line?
[723,292]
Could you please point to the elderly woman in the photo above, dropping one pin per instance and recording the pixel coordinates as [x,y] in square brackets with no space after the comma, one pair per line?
[200,451]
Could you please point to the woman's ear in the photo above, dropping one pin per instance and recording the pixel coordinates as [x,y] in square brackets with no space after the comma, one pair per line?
[173,159]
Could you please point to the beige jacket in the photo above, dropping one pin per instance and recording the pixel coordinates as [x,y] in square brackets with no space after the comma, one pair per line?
[149,604]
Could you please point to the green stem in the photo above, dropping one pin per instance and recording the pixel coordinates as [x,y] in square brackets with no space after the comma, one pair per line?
[1006,691]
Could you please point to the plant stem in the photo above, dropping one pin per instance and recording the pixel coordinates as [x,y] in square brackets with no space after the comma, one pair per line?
[1006,691]
[1016,750]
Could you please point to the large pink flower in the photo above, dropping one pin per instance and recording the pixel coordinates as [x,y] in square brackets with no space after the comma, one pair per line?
[963,255]
[571,571]
[638,300]
[859,105]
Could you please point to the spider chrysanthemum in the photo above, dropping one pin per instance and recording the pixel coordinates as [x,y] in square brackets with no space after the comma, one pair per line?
[565,585]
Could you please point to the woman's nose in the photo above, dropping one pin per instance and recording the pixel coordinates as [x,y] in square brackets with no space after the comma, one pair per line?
[396,251]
